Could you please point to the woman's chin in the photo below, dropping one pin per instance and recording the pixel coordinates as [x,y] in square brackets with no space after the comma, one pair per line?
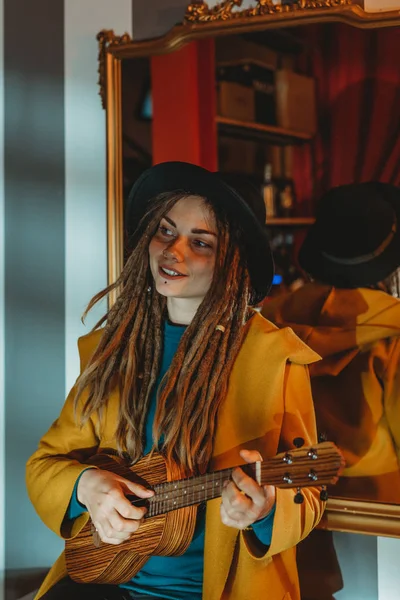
[168,289]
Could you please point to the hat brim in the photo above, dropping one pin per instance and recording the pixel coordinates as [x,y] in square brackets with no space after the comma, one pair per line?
[320,267]
[192,179]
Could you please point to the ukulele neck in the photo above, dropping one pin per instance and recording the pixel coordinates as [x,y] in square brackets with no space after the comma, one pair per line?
[172,495]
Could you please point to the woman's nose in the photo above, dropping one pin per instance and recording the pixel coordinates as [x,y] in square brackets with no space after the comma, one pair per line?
[174,251]
[168,254]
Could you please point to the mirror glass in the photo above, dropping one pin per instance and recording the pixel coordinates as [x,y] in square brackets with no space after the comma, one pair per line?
[299,110]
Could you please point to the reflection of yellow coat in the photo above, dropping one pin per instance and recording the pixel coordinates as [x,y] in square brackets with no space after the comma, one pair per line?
[356,385]
[268,405]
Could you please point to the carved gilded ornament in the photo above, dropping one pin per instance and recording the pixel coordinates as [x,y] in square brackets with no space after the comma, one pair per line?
[107,38]
[200,12]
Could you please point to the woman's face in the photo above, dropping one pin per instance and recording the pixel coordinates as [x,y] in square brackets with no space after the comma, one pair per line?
[182,251]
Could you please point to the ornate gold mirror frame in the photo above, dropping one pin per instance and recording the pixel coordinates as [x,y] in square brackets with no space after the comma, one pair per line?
[226,18]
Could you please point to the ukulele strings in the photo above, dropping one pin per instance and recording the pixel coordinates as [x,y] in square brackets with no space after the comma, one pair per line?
[210,485]
[187,488]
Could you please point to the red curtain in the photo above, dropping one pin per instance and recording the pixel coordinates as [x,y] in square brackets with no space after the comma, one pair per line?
[357,73]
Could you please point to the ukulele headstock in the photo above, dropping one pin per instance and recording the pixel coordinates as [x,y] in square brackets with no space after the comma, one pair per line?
[304,466]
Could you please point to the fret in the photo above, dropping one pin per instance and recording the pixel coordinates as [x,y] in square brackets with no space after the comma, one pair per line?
[187,492]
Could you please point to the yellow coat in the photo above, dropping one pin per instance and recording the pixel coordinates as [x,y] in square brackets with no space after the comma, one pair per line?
[356,385]
[268,404]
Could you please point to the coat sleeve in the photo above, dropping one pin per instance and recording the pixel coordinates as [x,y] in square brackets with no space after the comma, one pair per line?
[52,470]
[293,522]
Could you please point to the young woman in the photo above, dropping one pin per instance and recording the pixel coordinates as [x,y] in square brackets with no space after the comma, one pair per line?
[181,363]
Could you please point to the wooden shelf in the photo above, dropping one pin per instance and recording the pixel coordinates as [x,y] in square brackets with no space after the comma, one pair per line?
[250,130]
[290,222]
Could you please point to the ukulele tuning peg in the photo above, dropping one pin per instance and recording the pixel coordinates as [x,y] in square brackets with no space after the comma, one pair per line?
[298,442]
[312,453]
[312,476]
[322,437]
[288,458]
[323,494]
[299,498]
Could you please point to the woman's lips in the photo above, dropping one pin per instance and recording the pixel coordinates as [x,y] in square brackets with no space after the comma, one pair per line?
[169,273]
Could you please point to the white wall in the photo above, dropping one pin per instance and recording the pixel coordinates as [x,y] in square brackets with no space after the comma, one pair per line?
[85,148]
[370,567]
[388,568]
[357,555]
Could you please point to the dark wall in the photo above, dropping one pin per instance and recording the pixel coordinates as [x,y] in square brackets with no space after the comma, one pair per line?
[34,253]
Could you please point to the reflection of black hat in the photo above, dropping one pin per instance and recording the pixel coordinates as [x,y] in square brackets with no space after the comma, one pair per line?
[355,240]
[182,176]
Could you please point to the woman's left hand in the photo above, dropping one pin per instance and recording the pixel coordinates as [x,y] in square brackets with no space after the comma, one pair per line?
[243,500]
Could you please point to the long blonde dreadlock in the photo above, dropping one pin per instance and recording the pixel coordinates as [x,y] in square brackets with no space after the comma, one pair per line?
[392,284]
[130,350]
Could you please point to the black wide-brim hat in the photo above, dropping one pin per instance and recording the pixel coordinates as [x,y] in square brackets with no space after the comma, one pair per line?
[355,240]
[244,212]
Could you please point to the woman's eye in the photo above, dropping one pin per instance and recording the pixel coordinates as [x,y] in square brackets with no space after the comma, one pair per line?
[201,244]
[165,231]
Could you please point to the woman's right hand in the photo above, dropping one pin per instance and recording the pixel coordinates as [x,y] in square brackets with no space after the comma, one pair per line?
[104,495]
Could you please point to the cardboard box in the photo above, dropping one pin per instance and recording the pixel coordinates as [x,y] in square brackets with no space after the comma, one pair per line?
[379,5]
[234,49]
[295,102]
[235,101]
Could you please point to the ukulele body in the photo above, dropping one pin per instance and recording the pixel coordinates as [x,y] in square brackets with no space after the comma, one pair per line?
[167,534]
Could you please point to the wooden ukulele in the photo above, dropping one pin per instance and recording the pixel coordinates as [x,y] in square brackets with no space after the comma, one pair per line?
[171,518]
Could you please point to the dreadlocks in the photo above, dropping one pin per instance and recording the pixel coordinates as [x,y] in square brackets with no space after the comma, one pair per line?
[130,350]
[392,284]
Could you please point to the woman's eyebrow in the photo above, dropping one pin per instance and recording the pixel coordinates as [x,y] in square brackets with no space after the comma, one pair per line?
[171,222]
[204,231]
